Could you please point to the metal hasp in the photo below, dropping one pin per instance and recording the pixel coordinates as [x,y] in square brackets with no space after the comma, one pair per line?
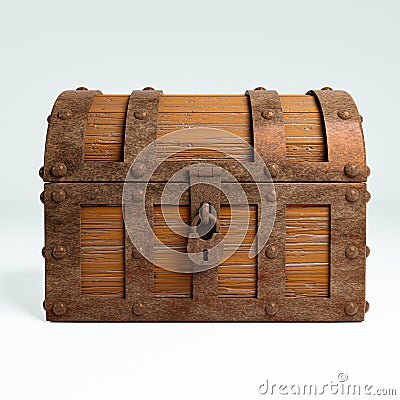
[205,247]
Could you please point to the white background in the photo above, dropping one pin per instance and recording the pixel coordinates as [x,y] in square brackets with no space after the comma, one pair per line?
[190,47]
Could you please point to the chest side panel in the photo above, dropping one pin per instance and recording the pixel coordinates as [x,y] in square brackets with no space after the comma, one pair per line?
[102,251]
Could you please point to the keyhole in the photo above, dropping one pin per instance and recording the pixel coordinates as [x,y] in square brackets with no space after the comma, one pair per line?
[205,255]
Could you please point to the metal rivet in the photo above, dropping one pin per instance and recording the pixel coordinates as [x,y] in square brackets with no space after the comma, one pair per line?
[44,305]
[138,309]
[58,252]
[59,308]
[326,88]
[41,172]
[44,252]
[64,114]
[42,197]
[58,196]
[367,251]
[271,251]
[366,306]
[81,88]
[138,170]
[361,119]
[48,118]
[59,170]
[351,252]
[137,252]
[352,195]
[271,169]
[140,114]
[367,196]
[268,114]
[148,88]
[271,196]
[343,114]
[138,195]
[351,170]
[368,171]
[351,309]
[271,308]
[260,88]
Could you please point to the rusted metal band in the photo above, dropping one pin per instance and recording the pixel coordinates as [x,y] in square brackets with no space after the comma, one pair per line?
[66,134]
[268,128]
[344,135]
[141,122]
[205,185]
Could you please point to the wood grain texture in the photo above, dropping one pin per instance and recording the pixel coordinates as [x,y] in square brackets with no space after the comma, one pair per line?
[102,251]
[307,251]
[304,130]
[237,275]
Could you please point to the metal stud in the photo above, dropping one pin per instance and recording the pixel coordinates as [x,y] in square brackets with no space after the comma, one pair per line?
[59,170]
[42,197]
[137,252]
[65,114]
[41,172]
[58,252]
[326,88]
[351,309]
[260,88]
[271,308]
[367,196]
[271,196]
[367,251]
[148,88]
[59,308]
[351,170]
[48,118]
[366,307]
[138,170]
[361,119]
[138,195]
[368,171]
[58,196]
[351,252]
[271,169]
[271,251]
[352,195]
[343,114]
[44,305]
[268,114]
[138,309]
[81,88]
[140,114]
[44,252]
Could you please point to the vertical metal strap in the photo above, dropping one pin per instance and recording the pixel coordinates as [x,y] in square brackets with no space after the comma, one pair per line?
[344,136]
[268,129]
[205,184]
[141,122]
[66,135]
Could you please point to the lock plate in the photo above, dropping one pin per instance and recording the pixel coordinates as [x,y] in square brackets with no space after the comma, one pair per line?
[205,247]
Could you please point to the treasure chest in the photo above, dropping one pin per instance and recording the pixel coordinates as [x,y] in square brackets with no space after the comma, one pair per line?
[248,207]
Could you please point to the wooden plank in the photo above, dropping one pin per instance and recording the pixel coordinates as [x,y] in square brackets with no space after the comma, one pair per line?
[102,251]
[307,251]
[169,283]
[204,118]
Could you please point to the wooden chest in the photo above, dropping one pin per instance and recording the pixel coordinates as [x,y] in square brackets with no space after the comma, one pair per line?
[205,207]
